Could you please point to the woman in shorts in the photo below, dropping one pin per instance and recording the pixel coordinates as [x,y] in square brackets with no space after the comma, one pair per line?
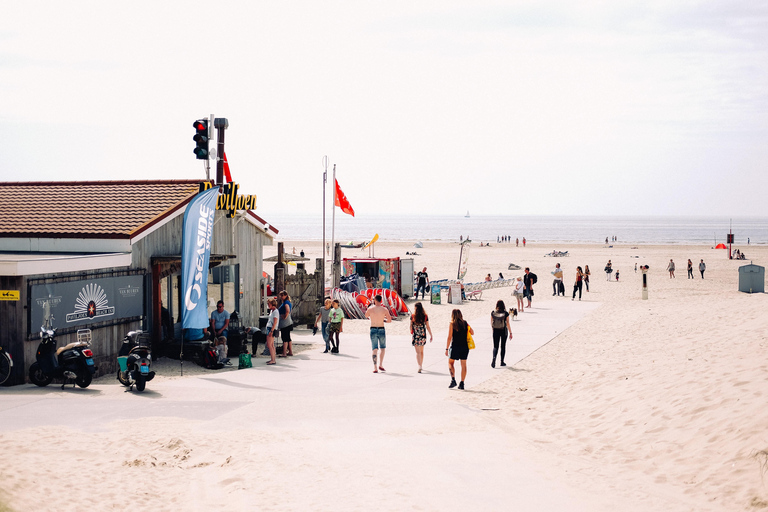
[457,346]
[419,329]
[518,293]
[335,327]
[272,323]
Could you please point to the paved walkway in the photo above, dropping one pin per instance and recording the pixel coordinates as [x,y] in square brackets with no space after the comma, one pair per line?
[393,437]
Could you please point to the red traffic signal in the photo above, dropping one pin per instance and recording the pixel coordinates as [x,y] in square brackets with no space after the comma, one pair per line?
[201,138]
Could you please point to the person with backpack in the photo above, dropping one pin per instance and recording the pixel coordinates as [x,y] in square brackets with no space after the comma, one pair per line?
[501,328]
[272,322]
[528,281]
[286,323]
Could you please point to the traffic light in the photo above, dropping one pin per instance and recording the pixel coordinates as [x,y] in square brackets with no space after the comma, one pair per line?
[201,137]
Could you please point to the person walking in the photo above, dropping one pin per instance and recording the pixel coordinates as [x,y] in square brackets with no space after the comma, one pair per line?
[690,269]
[557,284]
[286,323]
[578,283]
[457,348]
[702,268]
[378,315]
[322,317]
[419,328]
[529,280]
[518,293]
[423,282]
[587,273]
[608,270]
[671,268]
[501,329]
[335,325]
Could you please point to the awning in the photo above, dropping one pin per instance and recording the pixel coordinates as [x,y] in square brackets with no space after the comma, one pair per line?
[287,257]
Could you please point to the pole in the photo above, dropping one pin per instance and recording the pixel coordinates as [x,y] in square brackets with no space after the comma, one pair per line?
[333,222]
[458,272]
[208,160]
[322,249]
[221,124]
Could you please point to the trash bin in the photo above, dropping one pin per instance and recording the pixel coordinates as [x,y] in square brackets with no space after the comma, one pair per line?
[752,279]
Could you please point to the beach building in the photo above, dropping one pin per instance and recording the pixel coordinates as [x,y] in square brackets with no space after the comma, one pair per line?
[387,273]
[106,255]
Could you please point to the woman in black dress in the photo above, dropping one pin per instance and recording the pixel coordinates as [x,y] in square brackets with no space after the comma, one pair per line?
[456,347]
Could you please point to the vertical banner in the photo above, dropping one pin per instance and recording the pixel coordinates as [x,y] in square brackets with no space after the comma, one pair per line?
[195,255]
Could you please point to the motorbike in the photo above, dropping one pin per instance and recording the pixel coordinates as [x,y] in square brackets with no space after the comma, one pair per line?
[135,359]
[73,362]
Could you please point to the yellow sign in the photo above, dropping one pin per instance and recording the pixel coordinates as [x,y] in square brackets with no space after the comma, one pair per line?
[229,199]
[10,295]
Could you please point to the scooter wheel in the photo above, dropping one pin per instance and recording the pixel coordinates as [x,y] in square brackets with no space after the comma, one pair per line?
[123,378]
[38,377]
[83,379]
[141,382]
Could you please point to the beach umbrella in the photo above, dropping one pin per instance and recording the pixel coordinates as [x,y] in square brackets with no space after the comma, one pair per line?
[720,246]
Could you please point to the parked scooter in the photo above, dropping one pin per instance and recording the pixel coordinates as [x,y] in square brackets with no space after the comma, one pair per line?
[73,362]
[135,359]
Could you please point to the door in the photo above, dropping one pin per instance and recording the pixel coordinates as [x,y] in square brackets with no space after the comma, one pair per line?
[406,277]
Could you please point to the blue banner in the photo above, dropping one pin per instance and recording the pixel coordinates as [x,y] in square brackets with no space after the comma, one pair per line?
[195,255]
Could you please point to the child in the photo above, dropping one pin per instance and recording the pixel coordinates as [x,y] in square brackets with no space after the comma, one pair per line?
[617,275]
[336,318]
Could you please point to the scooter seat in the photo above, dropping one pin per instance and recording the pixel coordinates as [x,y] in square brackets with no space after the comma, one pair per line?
[72,345]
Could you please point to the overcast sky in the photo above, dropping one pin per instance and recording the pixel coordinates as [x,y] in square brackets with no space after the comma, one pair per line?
[599,108]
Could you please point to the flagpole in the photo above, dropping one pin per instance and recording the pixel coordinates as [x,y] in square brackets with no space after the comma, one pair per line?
[322,248]
[333,223]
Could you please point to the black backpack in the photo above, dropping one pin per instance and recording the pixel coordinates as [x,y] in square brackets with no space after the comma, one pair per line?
[498,320]
[532,277]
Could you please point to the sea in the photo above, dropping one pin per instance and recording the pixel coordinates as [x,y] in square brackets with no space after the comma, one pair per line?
[649,230]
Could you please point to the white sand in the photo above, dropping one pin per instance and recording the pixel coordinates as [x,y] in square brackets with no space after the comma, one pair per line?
[639,405]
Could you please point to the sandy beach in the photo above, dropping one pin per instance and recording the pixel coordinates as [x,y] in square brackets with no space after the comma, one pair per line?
[632,405]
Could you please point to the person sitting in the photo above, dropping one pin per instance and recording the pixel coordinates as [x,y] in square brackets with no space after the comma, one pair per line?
[220,345]
[219,321]
[488,277]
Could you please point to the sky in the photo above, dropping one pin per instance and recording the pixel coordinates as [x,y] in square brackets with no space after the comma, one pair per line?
[546,108]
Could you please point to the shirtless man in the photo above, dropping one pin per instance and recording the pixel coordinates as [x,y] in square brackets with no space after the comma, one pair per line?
[378,315]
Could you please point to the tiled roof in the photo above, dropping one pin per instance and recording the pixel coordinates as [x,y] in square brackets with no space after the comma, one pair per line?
[88,209]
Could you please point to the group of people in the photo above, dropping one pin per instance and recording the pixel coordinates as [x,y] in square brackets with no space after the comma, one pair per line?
[582,280]
[506,239]
[671,268]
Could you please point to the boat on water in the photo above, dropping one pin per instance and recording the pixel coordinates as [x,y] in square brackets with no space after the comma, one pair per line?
[467,215]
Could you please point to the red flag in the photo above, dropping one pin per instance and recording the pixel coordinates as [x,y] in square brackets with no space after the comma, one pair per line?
[341,201]
[227,175]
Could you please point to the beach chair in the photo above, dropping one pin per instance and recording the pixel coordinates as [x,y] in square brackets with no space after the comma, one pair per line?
[474,295]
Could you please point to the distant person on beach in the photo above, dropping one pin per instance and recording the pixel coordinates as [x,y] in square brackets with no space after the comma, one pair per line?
[419,328]
[635,268]
[608,270]
[557,284]
[286,323]
[702,268]
[322,317]
[617,275]
[336,325]
[488,278]
[606,240]
[423,280]
[378,315]
[517,242]
[457,347]
[577,285]
[587,273]
[501,277]
[671,268]
[461,238]
[501,329]
[518,293]
[529,280]
[523,242]
[690,269]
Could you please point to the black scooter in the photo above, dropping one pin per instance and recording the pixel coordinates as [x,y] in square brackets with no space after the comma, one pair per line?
[135,359]
[73,362]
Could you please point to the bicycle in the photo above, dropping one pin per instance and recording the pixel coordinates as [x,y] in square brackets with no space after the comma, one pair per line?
[6,365]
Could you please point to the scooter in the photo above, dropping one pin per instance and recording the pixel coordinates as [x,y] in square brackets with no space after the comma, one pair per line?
[135,359]
[73,362]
